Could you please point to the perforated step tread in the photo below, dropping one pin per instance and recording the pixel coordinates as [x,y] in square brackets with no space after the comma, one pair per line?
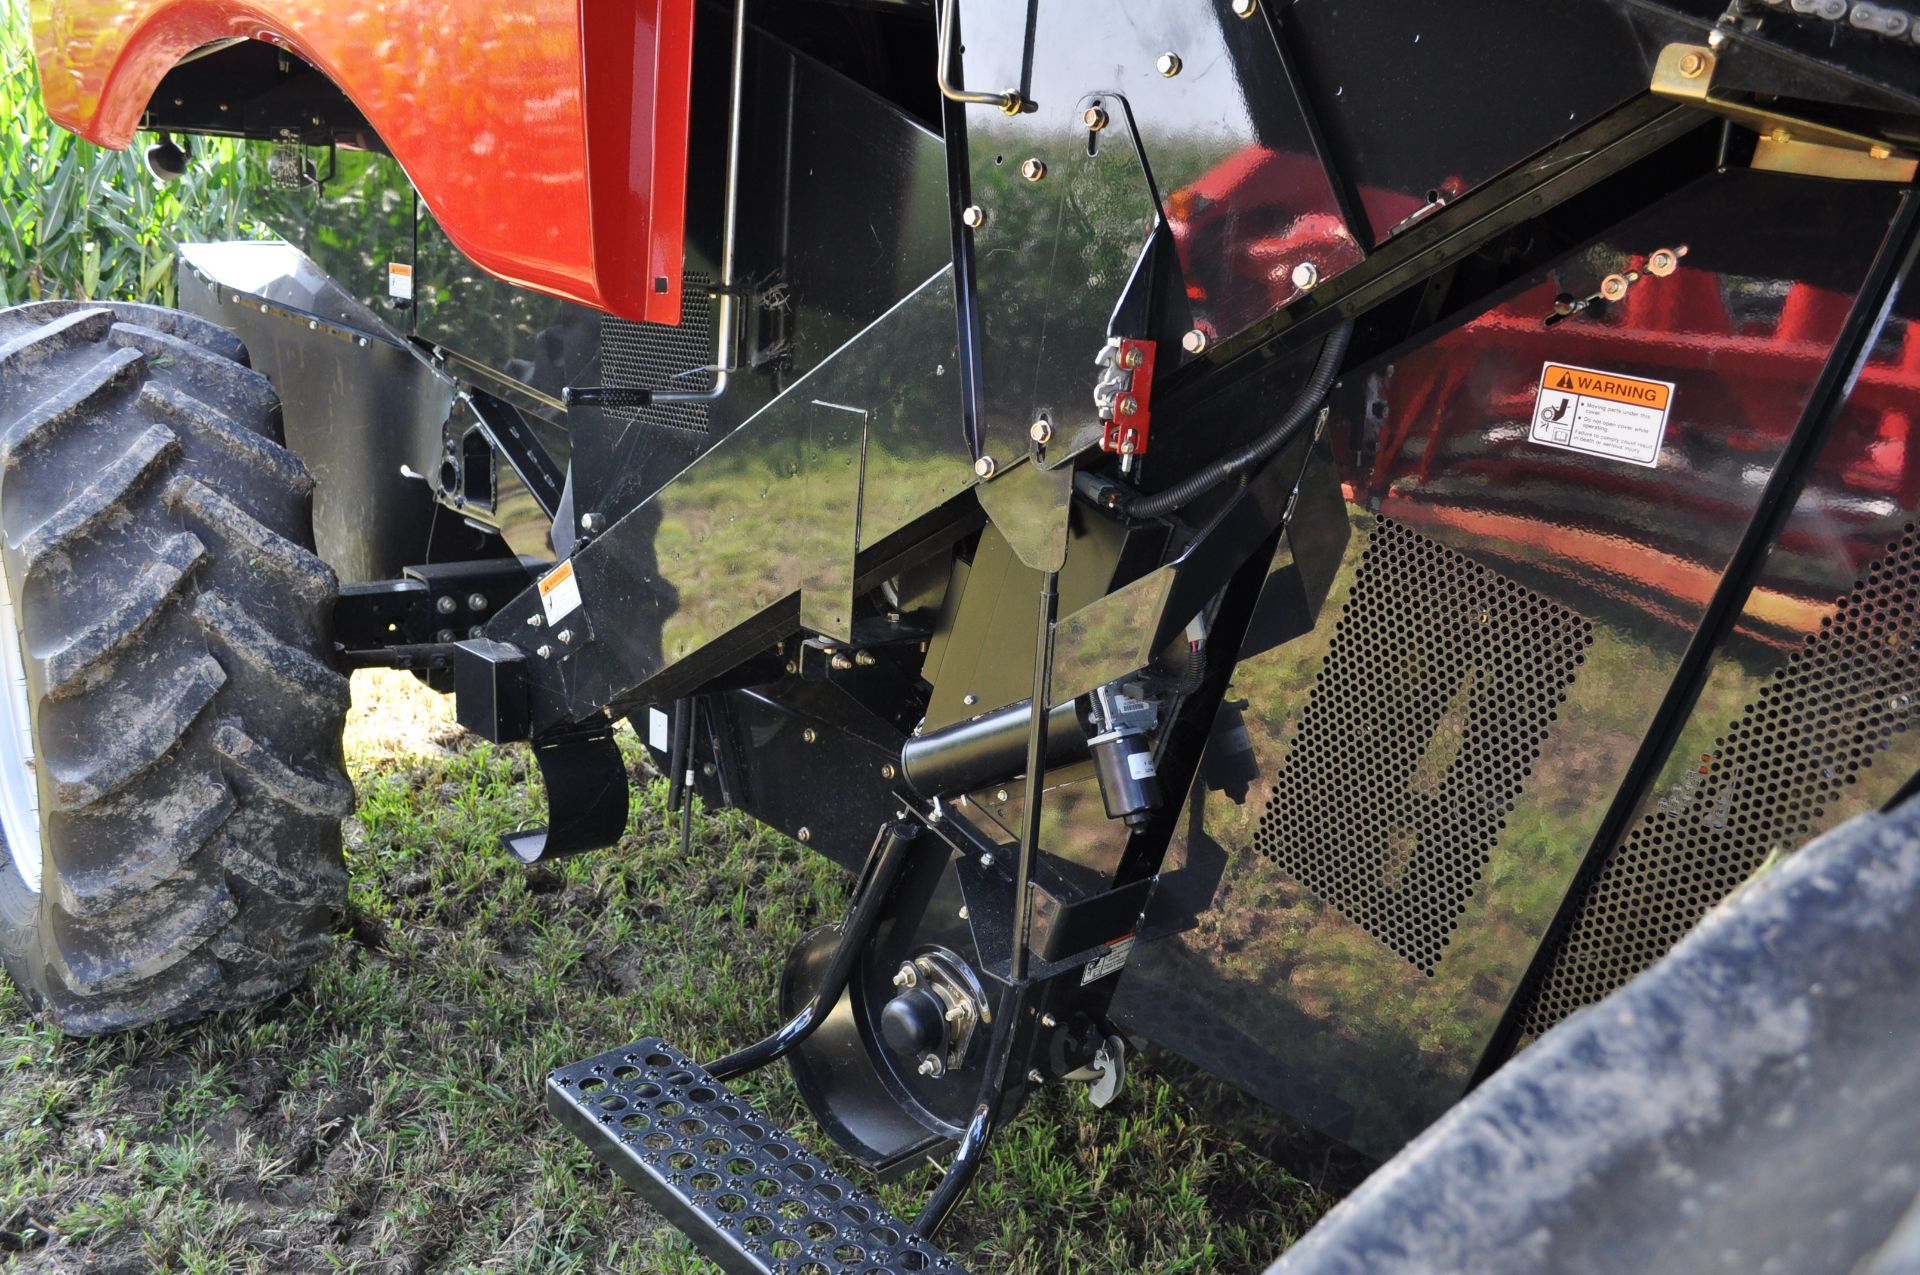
[744,1191]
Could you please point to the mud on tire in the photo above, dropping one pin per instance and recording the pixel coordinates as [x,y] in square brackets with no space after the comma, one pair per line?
[174,625]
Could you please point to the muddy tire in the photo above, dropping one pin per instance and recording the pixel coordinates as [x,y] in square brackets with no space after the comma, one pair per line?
[170,706]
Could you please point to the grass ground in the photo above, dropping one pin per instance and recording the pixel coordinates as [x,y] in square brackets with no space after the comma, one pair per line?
[387,1117]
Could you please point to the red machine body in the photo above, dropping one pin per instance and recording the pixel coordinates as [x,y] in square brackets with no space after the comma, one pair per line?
[560,164]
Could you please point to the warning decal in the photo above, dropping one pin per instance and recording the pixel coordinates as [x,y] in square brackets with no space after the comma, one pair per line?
[1606,414]
[399,281]
[559,592]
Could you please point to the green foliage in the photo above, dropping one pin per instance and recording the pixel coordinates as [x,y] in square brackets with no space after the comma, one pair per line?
[79,221]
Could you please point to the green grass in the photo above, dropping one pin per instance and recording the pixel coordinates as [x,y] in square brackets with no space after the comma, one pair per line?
[387,1117]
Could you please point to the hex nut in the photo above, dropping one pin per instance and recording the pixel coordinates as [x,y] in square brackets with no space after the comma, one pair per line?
[1613,287]
[1306,276]
[973,216]
[1040,432]
[1693,65]
[887,770]
[1094,118]
[1033,169]
[1663,262]
[533,621]
[545,652]
[1168,64]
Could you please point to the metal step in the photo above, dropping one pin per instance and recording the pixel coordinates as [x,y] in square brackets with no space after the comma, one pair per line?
[748,1195]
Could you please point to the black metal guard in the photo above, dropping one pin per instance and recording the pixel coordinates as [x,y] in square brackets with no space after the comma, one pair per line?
[884,861]
[750,1197]
[586,795]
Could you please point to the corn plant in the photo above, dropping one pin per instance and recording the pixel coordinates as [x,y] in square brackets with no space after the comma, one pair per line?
[79,221]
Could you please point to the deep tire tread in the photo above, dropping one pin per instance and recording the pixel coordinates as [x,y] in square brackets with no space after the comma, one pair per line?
[188,719]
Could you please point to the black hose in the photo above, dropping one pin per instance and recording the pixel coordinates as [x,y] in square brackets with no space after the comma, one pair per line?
[1311,395]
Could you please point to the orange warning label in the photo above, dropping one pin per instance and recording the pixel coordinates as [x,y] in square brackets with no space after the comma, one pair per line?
[1608,385]
[1583,409]
[559,592]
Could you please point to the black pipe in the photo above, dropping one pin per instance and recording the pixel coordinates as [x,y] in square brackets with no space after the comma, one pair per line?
[890,852]
[1263,448]
[986,750]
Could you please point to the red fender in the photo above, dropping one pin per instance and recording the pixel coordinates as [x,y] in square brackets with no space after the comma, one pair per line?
[548,137]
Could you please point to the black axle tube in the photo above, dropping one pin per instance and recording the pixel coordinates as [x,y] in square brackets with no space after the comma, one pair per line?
[971,755]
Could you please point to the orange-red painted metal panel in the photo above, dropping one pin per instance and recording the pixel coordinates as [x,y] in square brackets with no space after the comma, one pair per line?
[548,137]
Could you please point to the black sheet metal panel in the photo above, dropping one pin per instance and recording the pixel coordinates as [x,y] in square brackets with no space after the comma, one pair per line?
[1421,101]
[362,410]
[1808,715]
[1429,765]
[764,529]
[1749,1103]
[1198,124]
[747,1193]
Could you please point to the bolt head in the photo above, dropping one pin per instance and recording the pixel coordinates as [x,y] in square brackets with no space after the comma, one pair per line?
[1034,1077]
[1194,342]
[809,735]
[1663,262]
[545,652]
[963,912]
[1049,1021]
[1126,405]
[969,699]
[841,663]
[1131,358]
[1613,287]
[1094,118]
[476,602]
[592,522]
[888,770]
[1880,152]
[805,834]
[1040,432]
[973,216]
[1033,169]
[906,975]
[986,860]
[1168,64]
[444,635]
[1693,65]
[446,604]
[1245,8]
[1306,276]
[985,467]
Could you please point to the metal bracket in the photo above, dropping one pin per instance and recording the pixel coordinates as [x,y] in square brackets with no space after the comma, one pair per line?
[586,795]
[1684,73]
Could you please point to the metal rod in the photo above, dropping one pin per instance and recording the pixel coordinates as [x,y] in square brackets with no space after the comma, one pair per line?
[1008,101]
[726,303]
[1036,775]
[889,855]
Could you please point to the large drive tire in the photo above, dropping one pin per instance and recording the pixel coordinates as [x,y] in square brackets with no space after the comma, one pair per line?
[166,626]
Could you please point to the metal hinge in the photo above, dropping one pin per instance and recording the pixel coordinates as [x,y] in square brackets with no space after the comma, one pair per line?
[1787,144]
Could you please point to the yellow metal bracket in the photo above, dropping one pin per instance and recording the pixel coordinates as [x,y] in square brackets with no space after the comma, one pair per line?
[1684,73]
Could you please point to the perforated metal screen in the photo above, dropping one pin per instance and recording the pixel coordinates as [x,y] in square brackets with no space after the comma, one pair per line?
[1439,688]
[655,356]
[1768,785]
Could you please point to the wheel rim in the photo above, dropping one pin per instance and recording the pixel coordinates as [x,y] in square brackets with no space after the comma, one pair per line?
[19,787]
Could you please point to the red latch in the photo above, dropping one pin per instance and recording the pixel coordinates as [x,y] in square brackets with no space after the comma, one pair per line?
[1125,398]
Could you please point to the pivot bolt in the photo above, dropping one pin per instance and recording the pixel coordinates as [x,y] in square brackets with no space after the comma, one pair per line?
[446,604]
[1168,64]
[1040,432]
[1306,276]
[476,602]
[1194,342]
[1094,118]
[1033,169]
[985,467]
[973,216]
